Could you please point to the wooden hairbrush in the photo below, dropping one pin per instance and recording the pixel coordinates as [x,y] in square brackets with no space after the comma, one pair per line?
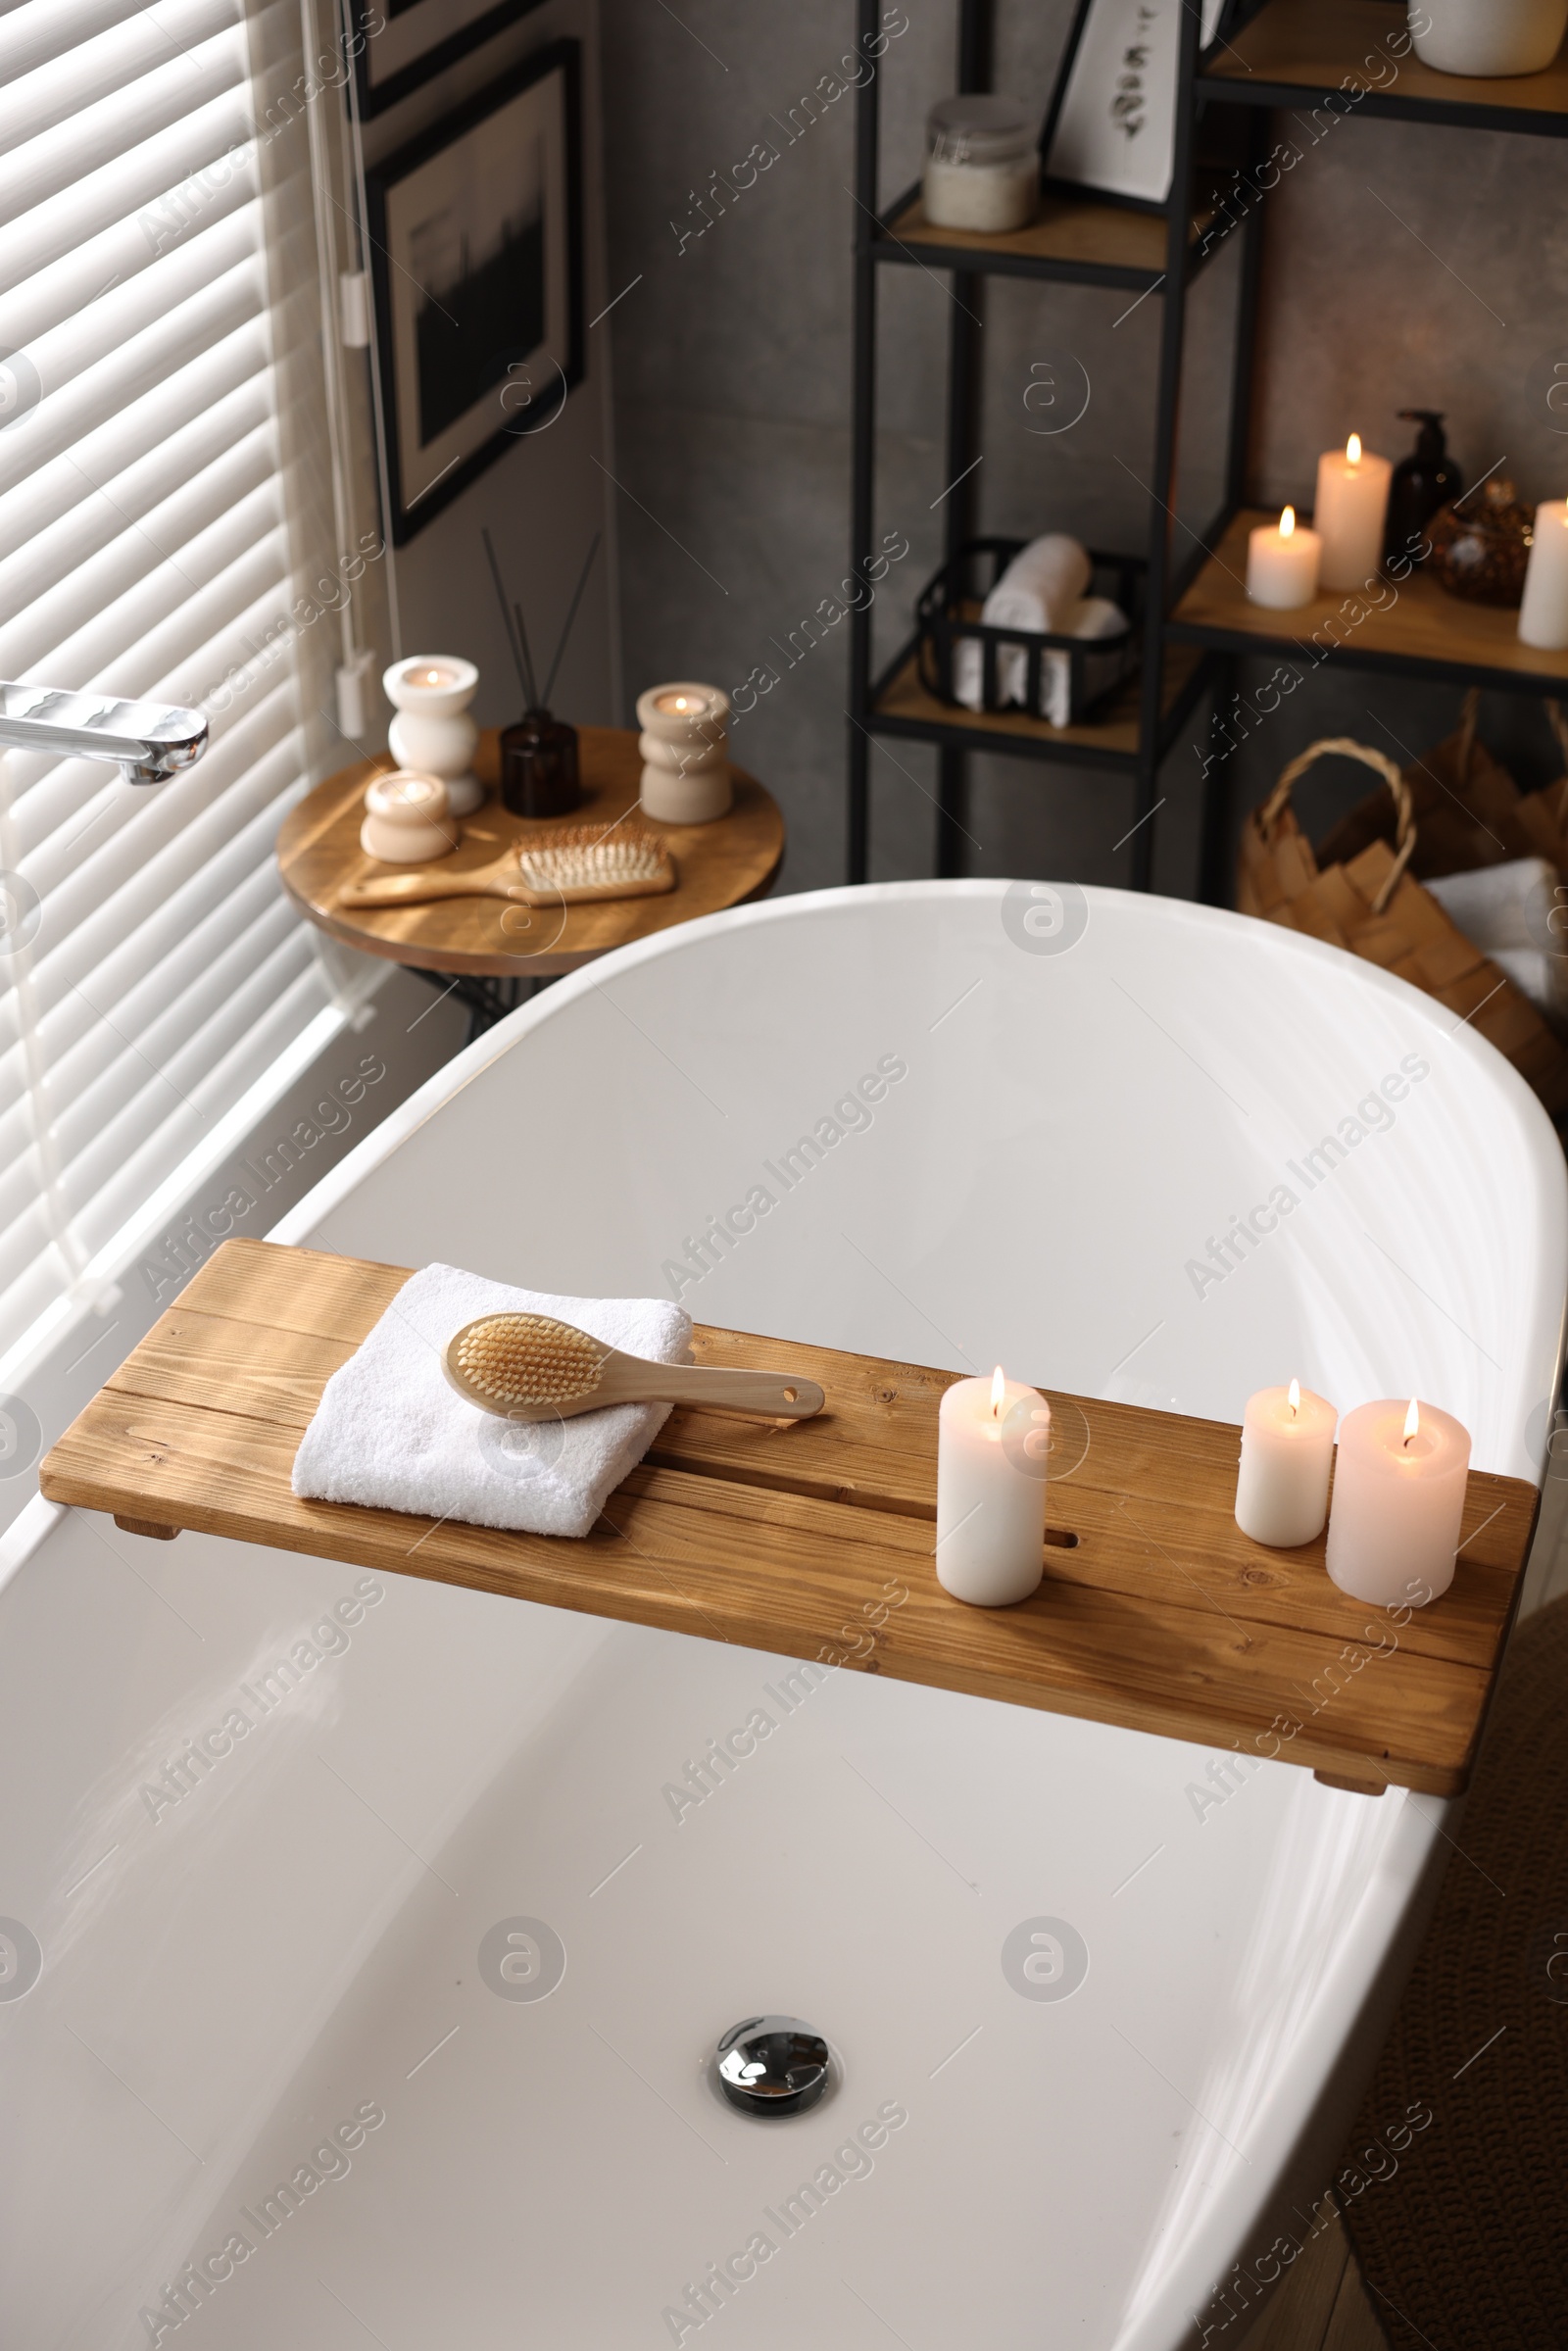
[531,1367]
[573,865]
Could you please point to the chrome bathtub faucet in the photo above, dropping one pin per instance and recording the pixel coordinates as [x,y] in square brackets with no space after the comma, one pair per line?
[149,741]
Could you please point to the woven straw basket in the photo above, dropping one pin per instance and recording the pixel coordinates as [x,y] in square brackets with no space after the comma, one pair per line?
[1468,809]
[1371,906]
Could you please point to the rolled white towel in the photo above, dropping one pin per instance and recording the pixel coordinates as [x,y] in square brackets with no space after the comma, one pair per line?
[1093,617]
[1041,585]
[1507,911]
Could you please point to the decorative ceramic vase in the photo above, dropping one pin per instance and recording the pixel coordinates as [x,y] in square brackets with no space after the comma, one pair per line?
[1487,37]
[1480,549]
[685,750]
[408,819]
[432,731]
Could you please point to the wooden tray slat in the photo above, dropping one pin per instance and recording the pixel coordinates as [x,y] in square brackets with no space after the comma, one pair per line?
[816,1539]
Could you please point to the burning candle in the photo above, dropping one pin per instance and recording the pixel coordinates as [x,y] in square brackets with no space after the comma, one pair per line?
[432,730]
[685,749]
[1281,563]
[1543,613]
[992,1439]
[1282,1488]
[1398,1498]
[1352,501]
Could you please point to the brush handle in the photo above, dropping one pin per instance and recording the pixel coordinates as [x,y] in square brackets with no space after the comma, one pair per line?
[419,889]
[759,1395]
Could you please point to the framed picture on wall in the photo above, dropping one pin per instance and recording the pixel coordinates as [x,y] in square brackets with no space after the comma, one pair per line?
[399,44]
[476,260]
[1111,124]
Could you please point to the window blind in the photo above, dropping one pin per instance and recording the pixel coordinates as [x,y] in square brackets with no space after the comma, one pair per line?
[153,543]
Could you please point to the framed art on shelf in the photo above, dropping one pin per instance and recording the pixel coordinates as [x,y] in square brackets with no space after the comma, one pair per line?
[477,260]
[1112,124]
[399,44]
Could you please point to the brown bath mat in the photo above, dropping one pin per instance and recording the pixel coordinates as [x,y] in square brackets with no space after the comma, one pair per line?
[1462,2233]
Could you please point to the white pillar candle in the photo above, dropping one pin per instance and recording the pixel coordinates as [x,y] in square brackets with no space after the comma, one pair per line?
[992,1439]
[1398,1498]
[1543,613]
[1282,1488]
[1281,563]
[1353,505]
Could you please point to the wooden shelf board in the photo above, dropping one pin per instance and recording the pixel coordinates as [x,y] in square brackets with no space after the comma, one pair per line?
[1314,45]
[1113,738]
[1425,627]
[1158,1615]
[1083,238]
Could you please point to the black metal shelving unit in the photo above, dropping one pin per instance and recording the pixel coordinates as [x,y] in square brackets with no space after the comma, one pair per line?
[1270,55]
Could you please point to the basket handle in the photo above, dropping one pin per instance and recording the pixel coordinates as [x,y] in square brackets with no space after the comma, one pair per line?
[1341,746]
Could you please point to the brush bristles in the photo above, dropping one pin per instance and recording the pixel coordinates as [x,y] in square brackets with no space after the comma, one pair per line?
[518,1359]
[578,855]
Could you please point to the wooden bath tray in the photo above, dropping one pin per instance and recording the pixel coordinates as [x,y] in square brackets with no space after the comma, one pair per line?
[1156,1612]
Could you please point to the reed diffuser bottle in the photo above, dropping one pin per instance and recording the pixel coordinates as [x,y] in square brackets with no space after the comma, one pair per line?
[538,754]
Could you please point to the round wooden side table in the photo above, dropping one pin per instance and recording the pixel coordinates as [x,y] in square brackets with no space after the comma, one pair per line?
[490,952]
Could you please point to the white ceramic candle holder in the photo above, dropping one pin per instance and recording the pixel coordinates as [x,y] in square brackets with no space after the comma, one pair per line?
[432,732]
[685,750]
[408,819]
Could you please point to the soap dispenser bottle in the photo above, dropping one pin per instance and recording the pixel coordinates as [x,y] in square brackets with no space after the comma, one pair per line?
[1425,481]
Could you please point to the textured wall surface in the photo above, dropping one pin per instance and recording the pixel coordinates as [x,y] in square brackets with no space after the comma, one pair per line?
[1404,265]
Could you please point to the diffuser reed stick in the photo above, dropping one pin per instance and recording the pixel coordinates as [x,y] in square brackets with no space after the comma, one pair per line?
[518,646]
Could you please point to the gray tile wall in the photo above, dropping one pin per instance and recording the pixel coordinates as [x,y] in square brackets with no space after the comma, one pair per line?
[1404,266]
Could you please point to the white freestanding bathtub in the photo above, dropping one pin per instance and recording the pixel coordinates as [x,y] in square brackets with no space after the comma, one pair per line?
[265,2082]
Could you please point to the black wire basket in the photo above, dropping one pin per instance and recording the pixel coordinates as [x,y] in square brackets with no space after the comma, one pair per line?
[948,617]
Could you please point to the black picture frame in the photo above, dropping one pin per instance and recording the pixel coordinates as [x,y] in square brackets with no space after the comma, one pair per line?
[523,357]
[428,35]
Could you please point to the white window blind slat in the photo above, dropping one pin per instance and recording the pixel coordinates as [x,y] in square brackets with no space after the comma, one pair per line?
[234,452]
[156,115]
[151,544]
[34,97]
[153,426]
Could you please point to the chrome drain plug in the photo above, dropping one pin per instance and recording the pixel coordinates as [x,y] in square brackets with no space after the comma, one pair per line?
[772,2065]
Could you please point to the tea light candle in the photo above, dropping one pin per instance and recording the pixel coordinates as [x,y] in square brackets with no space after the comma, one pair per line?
[1282,1488]
[1543,613]
[991,1491]
[1398,1498]
[1281,563]
[1353,503]
[408,819]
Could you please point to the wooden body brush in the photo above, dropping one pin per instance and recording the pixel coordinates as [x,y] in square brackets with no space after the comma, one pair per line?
[573,865]
[531,1367]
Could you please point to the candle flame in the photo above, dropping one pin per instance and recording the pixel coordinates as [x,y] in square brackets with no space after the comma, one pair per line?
[999,1389]
[1352,449]
[1295,1397]
[1412,1420]
[1288,522]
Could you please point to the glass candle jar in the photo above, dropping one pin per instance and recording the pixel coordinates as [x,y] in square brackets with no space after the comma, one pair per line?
[982,165]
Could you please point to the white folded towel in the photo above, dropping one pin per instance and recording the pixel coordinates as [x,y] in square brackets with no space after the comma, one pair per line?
[389,1432]
[1092,617]
[1507,911]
